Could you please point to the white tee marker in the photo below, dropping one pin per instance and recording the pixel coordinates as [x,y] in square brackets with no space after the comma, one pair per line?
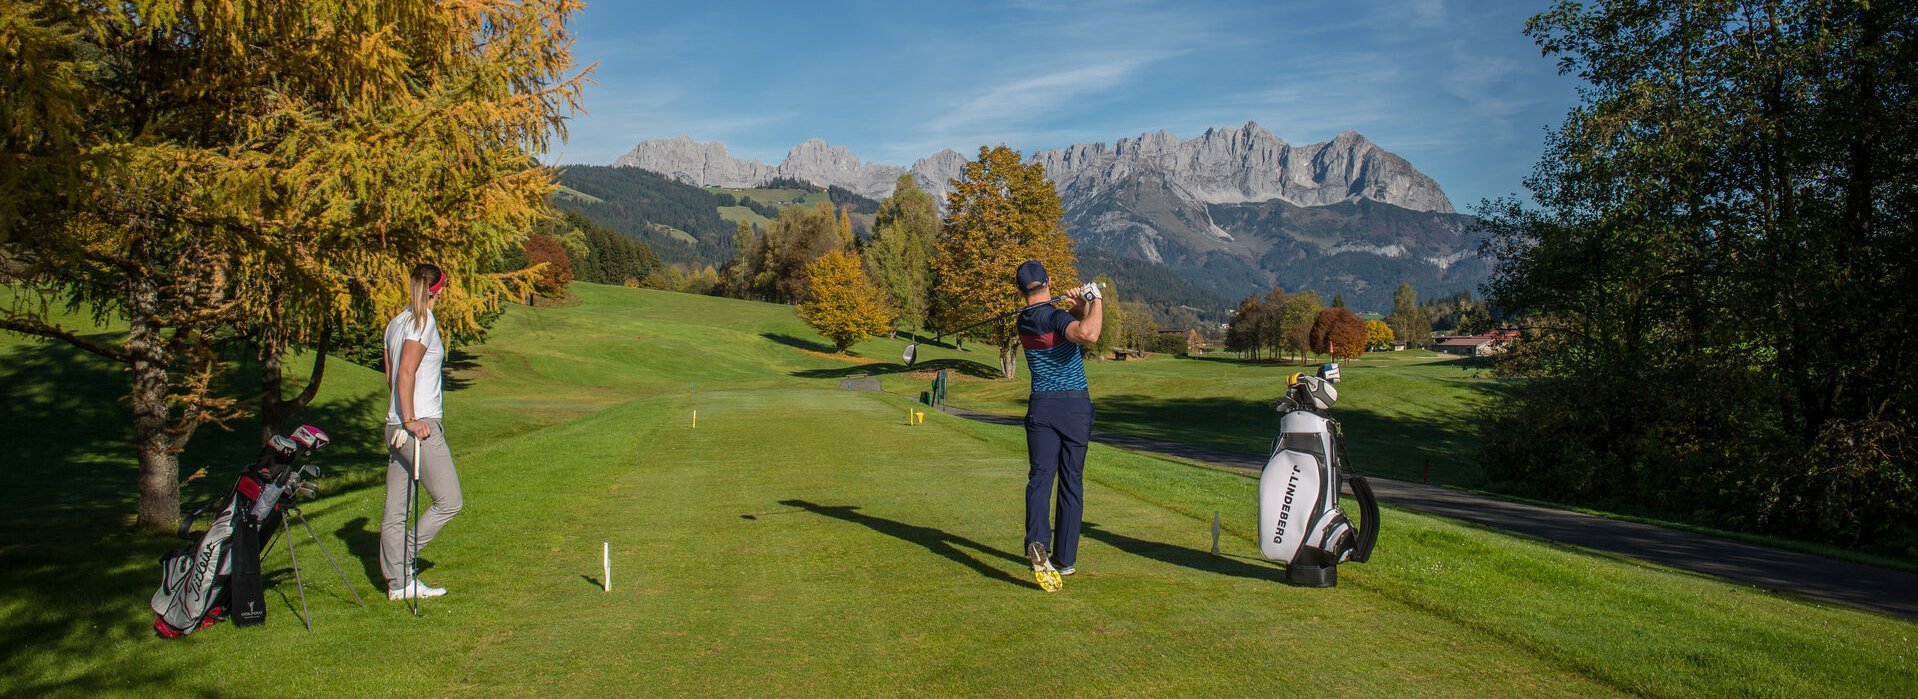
[606,559]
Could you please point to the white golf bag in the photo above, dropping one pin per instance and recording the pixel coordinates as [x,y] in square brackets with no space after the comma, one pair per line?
[1300,523]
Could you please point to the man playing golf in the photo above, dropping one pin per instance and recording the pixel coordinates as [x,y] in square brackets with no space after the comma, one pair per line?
[1058,418]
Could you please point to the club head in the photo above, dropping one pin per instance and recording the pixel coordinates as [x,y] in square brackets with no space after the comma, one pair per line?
[311,437]
[911,355]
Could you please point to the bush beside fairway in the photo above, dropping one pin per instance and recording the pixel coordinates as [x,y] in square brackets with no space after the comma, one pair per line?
[804,540]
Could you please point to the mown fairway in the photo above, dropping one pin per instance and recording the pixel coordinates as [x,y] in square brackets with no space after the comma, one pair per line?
[802,540]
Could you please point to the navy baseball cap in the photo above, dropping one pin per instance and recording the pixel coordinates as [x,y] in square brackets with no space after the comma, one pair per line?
[1031,271]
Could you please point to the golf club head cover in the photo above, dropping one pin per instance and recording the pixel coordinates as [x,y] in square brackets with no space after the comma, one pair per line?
[282,446]
[311,437]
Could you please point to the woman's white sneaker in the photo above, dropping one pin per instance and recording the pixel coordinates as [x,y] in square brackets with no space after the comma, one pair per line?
[414,590]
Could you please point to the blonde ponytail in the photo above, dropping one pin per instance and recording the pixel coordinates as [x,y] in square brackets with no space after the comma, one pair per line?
[420,292]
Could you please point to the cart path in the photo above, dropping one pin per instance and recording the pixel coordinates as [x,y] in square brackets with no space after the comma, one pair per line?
[1840,582]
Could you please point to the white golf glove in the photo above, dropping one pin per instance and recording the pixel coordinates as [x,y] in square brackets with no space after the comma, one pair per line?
[1090,291]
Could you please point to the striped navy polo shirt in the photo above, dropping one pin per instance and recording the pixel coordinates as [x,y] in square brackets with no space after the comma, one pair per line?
[1052,359]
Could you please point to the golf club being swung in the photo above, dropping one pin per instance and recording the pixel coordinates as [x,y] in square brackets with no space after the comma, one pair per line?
[912,350]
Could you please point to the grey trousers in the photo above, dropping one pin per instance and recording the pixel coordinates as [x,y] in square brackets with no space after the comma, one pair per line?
[440,480]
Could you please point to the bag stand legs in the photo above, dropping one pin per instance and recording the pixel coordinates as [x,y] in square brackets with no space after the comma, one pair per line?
[286,526]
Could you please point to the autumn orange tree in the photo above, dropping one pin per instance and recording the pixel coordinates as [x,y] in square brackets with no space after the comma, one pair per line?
[551,266]
[263,171]
[841,302]
[1337,331]
[1000,212]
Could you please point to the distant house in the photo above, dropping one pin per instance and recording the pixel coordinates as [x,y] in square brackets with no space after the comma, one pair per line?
[1480,345]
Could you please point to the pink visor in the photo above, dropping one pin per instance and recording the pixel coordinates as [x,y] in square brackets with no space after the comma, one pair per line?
[437,285]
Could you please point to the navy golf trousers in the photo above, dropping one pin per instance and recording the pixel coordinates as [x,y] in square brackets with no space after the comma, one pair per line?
[1058,426]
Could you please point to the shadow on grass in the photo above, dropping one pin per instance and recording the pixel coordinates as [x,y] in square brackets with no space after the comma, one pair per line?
[1180,556]
[72,446]
[800,342]
[362,539]
[76,574]
[965,367]
[1384,445]
[935,540]
[458,366]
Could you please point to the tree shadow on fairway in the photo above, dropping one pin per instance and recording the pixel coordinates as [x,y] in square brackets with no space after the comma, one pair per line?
[457,370]
[1181,556]
[799,342]
[79,620]
[957,366]
[70,454]
[1394,446]
[77,576]
[935,540]
[70,434]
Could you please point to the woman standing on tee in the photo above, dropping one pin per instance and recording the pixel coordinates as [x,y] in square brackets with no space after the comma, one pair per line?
[414,357]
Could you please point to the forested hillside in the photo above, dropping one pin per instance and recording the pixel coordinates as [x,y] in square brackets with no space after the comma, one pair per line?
[679,221]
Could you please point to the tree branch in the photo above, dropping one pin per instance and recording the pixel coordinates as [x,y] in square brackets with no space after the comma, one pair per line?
[319,371]
[40,328]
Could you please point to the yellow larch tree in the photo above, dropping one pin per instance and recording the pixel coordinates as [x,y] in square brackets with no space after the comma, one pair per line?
[1000,212]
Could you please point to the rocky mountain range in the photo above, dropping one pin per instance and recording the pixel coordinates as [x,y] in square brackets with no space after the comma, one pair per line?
[1234,211]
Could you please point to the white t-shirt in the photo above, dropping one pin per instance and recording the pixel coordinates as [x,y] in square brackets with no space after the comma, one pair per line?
[426,381]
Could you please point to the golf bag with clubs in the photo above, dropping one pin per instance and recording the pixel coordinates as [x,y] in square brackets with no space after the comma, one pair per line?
[217,574]
[1300,522]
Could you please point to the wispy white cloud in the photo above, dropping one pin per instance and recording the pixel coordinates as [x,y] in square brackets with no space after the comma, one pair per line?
[1013,109]
[1428,13]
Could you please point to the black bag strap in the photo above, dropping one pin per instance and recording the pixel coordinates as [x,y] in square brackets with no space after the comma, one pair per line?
[1369,513]
[186,523]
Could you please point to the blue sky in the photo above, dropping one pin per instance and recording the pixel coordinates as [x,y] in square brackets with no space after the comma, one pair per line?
[1452,86]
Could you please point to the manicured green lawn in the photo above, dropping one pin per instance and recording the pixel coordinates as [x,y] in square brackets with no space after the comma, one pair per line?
[804,540]
[736,214]
[775,197]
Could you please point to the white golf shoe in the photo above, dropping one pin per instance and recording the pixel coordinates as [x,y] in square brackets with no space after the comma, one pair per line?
[415,590]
